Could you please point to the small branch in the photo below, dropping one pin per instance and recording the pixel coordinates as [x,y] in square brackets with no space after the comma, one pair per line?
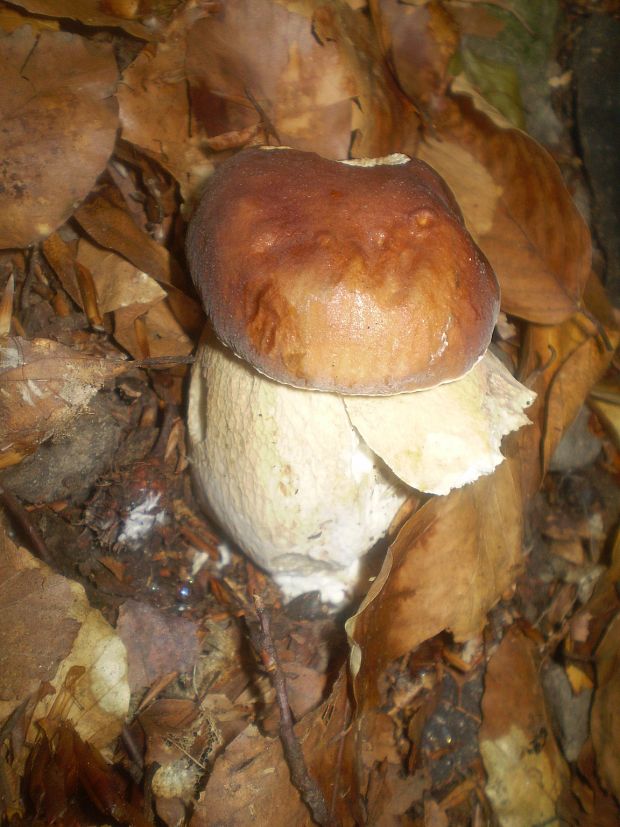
[307,787]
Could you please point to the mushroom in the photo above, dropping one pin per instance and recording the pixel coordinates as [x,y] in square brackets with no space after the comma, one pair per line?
[347,361]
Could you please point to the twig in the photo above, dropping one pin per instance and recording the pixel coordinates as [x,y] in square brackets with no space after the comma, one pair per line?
[307,787]
[21,517]
[270,130]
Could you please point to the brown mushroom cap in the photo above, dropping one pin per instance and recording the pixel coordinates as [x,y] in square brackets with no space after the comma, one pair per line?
[338,277]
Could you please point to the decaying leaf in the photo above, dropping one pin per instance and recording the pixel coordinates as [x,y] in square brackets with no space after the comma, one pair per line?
[250,782]
[449,564]
[58,114]
[309,74]
[606,706]
[498,83]
[43,386]
[306,75]
[419,41]
[51,634]
[66,774]
[517,208]
[525,769]
[110,225]
[91,13]
[156,644]
[154,107]
[565,361]
[134,296]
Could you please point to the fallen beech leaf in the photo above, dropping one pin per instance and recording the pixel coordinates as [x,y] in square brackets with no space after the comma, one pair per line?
[44,385]
[498,83]
[419,41]
[58,106]
[517,208]
[119,284]
[447,567]
[66,770]
[11,19]
[310,74]
[526,773]
[37,624]
[250,782]
[85,11]
[130,294]
[154,106]
[156,644]
[573,357]
[607,408]
[605,719]
[50,633]
[107,222]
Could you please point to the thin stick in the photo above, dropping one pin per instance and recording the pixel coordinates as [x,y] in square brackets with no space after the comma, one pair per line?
[307,787]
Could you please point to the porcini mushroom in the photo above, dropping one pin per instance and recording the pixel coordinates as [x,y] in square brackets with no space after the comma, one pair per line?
[352,315]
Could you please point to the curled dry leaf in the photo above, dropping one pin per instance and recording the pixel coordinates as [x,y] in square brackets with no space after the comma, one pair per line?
[49,633]
[448,566]
[309,75]
[43,386]
[88,12]
[517,208]
[526,773]
[108,223]
[564,362]
[131,295]
[58,107]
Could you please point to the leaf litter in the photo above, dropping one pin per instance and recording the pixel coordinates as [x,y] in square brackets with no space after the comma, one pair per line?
[134,687]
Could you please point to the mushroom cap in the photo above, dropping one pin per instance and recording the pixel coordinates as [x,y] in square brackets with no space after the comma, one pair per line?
[352,277]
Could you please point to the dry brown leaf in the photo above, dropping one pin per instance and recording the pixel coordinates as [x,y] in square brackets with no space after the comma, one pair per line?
[59,114]
[419,42]
[606,706]
[306,74]
[250,782]
[38,626]
[448,566]
[526,773]
[156,644]
[309,74]
[11,19]
[119,284]
[564,362]
[88,12]
[51,634]
[43,386]
[517,208]
[154,106]
[134,297]
[106,220]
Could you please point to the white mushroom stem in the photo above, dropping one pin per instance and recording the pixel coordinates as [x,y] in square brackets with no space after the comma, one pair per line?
[303,481]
